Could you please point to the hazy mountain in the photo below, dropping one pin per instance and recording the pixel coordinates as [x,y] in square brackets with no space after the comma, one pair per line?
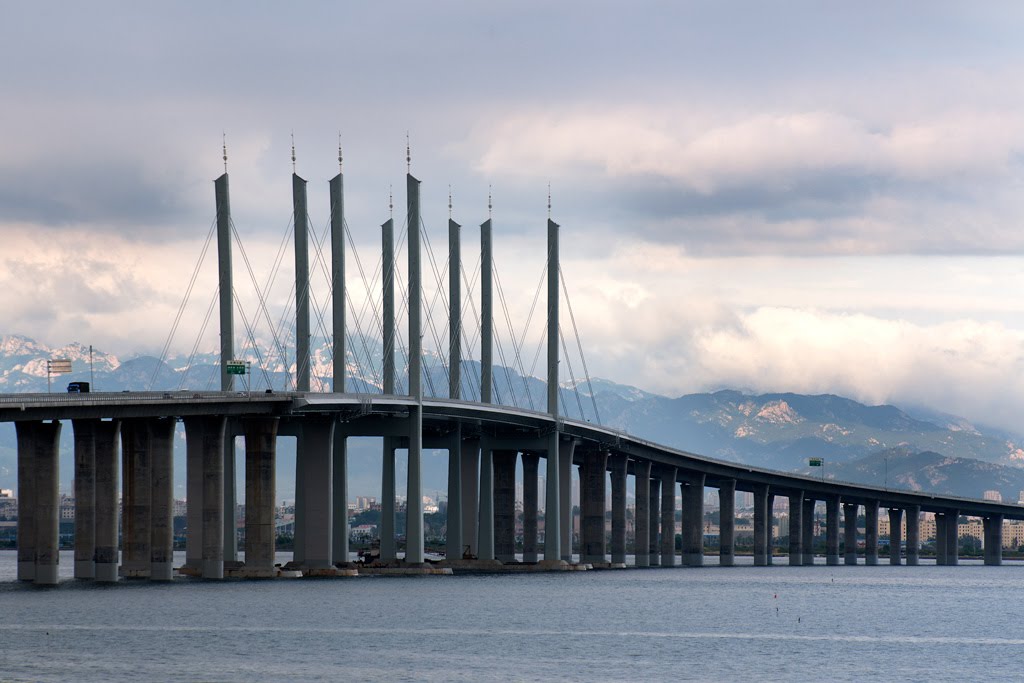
[918,448]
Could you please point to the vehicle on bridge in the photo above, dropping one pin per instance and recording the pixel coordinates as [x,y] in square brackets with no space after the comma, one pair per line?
[78,388]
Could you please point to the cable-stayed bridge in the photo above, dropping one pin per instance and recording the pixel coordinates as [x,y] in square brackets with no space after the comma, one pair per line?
[123,442]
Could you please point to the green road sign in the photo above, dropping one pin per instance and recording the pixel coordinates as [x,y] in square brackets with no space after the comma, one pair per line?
[236,367]
[816,462]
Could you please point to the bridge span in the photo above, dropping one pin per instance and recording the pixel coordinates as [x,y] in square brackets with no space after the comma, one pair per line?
[133,433]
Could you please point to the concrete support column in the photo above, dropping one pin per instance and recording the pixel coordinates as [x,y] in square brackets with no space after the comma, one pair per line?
[642,513]
[388,505]
[654,547]
[85,498]
[505,505]
[27,501]
[453,522]
[762,525]
[161,553]
[726,522]
[871,532]
[531,466]
[913,535]
[136,498]
[566,450]
[260,494]
[807,531]
[618,464]
[940,539]
[204,439]
[339,496]
[953,537]
[193,499]
[693,520]
[486,535]
[470,457]
[668,516]
[796,508]
[993,540]
[107,439]
[316,449]
[832,531]
[895,535]
[39,474]
[414,537]
[552,501]
[849,533]
[593,505]
[770,558]
[231,496]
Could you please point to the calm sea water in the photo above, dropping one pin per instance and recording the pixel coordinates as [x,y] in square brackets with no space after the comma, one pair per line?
[710,624]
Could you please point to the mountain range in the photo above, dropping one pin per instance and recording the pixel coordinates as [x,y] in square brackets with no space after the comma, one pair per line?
[914,448]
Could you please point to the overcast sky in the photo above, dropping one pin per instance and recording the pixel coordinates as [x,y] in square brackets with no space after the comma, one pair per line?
[804,196]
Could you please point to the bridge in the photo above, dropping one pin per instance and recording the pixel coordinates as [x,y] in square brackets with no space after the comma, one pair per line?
[123,450]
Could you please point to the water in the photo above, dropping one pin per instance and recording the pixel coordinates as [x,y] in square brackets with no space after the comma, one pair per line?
[710,624]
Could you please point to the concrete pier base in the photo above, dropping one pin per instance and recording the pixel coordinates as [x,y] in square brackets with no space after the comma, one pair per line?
[762,525]
[832,531]
[953,538]
[593,506]
[388,544]
[470,456]
[871,532]
[42,439]
[505,505]
[107,439]
[940,539]
[727,523]
[161,444]
[85,498]
[796,509]
[849,533]
[486,520]
[316,449]
[260,494]
[566,451]
[807,531]
[993,526]
[204,439]
[913,535]
[895,535]
[26,532]
[654,546]
[618,464]
[453,523]
[668,516]
[531,467]
[642,513]
[692,492]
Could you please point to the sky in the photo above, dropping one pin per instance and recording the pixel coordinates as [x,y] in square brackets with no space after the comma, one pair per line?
[791,196]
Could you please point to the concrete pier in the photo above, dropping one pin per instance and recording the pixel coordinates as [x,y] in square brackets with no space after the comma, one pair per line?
[453,514]
[832,531]
[770,555]
[953,537]
[552,502]
[566,451]
[38,501]
[107,440]
[505,505]
[668,516]
[807,531]
[693,519]
[593,506]
[849,533]
[618,464]
[136,498]
[762,525]
[895,535]
[470,456]
[871,532]
[486,522]
[388,543]
[913,535]
[161,552]
[993,526]
[940,539]
[339,498]
[316,447]
[796,508]
[260,495]
[204,439]
[727,523]
[642,513]
[654,547]
[85,498]
[193,499]
[231,498]
[531,466]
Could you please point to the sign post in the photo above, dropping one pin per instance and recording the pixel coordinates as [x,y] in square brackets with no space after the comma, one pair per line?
[817,462]
[56,366]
